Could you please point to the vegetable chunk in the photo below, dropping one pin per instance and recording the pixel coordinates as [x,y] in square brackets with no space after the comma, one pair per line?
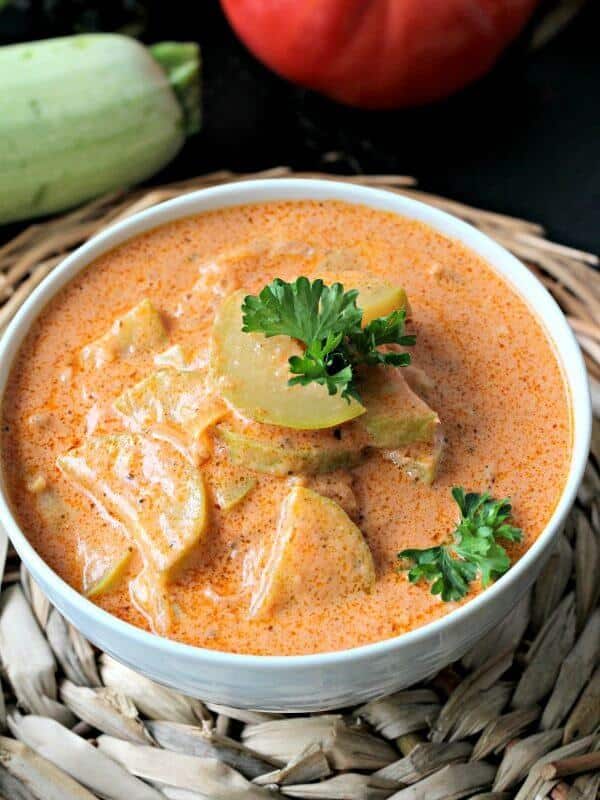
[180,357]
[231,486]
[151,491]
[318,555]
[139,329]
[282,455]
[85,115]
[328,323]
[395,416]
[419,461]
[112,576]
[146,486]
[177,398]
[251,373]
[376,297]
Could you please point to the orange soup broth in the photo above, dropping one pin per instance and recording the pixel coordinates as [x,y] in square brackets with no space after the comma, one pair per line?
[497,387]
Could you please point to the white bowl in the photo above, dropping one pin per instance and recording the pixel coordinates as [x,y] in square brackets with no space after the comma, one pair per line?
[325,680]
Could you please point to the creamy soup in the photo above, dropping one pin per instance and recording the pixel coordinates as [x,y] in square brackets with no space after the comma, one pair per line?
[158,461]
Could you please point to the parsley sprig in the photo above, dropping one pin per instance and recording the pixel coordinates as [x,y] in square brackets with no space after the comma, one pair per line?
[450,568]
[327,320]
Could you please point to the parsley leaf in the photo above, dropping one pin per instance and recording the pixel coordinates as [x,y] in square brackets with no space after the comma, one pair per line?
[303,310]
[450,568]
[383,330]
[448,576]
[323,362]
[327,320]
[364,342]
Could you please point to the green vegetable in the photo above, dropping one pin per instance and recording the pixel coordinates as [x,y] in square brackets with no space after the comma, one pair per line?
[84,115]
[250,372]
[419,461]
[112,576]
[230,492]
[284,457]
[327,320]
[450,568]
[395,416]
[317,555]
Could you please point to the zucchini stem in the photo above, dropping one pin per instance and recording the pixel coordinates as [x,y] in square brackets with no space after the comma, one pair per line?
[182,63]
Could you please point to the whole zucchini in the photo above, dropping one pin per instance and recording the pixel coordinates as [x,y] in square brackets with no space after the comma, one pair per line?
[82,115]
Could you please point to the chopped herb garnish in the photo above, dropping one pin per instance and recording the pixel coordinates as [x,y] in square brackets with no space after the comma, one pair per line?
[450,568]
[327,321]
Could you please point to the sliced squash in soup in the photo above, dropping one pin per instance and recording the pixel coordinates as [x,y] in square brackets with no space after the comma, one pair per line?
[173,397]
[284,454]
[150,596]
[251,372]
[419,461]
[149,489]
[112,575]
[318,555]
[180,357]
[231,486]
[138,330]
[338,486]
[376,296]
[396,416]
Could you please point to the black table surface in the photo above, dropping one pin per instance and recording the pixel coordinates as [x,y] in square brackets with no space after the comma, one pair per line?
[525,140]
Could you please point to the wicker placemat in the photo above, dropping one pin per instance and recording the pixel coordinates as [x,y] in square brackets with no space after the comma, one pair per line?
[519,716]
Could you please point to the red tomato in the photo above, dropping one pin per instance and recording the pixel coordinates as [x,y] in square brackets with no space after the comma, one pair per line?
[379,53]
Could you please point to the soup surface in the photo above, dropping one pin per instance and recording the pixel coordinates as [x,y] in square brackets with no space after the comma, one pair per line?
[142,487]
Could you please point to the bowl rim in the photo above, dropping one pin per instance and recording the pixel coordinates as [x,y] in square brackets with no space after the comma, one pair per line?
[246,192]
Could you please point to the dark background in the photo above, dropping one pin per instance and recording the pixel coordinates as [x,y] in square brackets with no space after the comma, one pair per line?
[524,140]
